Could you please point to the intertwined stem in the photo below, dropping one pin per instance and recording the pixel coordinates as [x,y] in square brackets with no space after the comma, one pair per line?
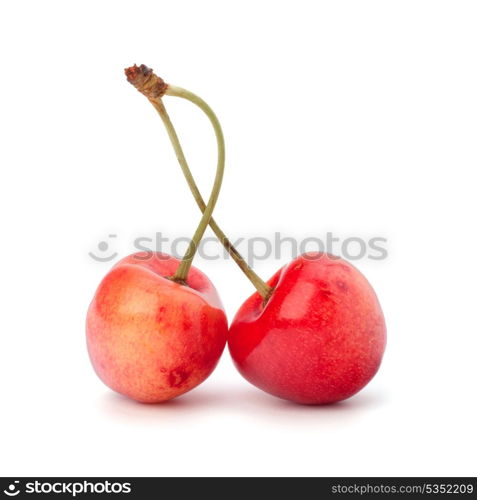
[154,89]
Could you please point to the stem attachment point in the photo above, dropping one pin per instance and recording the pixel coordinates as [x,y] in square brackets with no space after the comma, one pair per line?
[146,81]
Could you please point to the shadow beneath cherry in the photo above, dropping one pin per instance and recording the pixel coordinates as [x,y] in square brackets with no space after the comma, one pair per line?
[247,402]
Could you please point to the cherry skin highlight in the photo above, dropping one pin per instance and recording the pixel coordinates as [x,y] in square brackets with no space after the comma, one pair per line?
[318,339]
[150,338]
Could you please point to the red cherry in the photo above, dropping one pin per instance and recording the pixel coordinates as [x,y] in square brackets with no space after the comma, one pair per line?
[318,339]
[151,338]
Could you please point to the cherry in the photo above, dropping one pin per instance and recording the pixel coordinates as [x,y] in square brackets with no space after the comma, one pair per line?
[319,337]
[156,327]
[149,337]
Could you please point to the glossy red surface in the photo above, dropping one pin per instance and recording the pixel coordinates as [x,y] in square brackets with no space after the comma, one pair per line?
[320,337]
[150,338]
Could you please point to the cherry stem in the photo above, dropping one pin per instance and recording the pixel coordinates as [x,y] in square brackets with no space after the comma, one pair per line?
[263,289]
[154,88]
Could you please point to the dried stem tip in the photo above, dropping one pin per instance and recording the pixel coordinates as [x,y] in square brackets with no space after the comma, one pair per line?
[144,79]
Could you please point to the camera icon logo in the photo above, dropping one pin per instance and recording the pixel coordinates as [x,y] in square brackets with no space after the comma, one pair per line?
[12,489]
[104,251]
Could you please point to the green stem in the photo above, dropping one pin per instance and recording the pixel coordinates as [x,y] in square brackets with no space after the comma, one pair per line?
[154,88]
[184,267]
[263,289]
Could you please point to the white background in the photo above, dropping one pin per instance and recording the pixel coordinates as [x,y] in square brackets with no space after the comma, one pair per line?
[352,117]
